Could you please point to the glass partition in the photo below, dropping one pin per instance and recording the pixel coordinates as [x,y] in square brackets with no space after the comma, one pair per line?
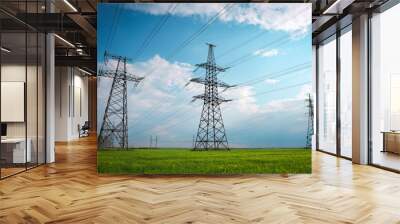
[346,93]
[41,96]
[31,98]
[385,89]
[22,88]
[13,105]
[327,96]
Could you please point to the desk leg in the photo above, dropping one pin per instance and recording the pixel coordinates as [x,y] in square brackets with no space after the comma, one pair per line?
[384,142]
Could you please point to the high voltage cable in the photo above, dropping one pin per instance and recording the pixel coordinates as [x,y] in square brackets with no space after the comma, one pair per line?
[278,89]
[280,41]
[243,43]
[196,34]
[225,9]
[281,73]
[284,72]
[111,33]
[114,26]
[205,26]
[120,12]
[246,57]
[155,31]
[228,109]
[247,41]
[165,120]
[149,37]
[148,115]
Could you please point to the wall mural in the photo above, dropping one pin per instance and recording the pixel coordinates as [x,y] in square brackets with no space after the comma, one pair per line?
[216,88]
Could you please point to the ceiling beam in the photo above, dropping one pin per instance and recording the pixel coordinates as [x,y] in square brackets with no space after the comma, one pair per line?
[78,61]
[85,25]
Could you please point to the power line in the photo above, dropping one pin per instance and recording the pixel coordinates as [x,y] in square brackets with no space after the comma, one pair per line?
[120,12]
[250,82]
[204,27]
[170,115]
[248,56]
[112,27]
[167,120]
[280,41]
[228,109]
[154,31]
[243,43]
[225,9]
[281,73]
[284,72]
[278,89]
[196,34]
[154,110]
[249,40]
[111,33]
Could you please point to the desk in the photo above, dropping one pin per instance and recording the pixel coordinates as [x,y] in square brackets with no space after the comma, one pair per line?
[13,150]
[391,142]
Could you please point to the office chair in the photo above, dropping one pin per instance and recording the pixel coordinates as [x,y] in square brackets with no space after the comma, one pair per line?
[84,130]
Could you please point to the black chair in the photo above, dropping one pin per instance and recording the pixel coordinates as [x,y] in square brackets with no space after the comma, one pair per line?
[84,130]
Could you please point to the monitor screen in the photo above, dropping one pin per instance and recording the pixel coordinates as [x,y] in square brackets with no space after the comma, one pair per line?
[3,129]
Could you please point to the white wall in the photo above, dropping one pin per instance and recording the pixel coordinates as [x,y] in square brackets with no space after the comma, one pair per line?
[71,87]
[33,126]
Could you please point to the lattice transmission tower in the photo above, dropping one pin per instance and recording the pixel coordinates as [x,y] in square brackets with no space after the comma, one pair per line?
[114,129]
[211,131]
[310,125]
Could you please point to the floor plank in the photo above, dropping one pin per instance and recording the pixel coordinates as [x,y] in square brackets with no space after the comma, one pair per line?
[70,191]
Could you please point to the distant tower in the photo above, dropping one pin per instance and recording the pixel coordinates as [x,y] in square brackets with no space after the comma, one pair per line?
[114,129]
[211,131]
[310,125]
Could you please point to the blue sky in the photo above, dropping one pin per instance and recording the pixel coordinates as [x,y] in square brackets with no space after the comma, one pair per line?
[266,39]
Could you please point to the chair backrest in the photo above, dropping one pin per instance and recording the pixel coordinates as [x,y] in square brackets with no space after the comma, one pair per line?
[86,125]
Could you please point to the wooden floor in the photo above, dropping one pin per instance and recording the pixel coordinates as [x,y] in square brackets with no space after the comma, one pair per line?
[70,191]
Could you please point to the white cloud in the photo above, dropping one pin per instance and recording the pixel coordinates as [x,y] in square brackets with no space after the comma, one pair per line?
[304,91]
[266,53]
[271,81]
[294,18]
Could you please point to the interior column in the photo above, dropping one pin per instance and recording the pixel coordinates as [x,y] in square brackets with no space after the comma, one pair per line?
[50,92]
[360,89]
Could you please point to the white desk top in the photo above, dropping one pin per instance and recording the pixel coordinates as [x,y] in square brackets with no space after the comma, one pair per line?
[13,140]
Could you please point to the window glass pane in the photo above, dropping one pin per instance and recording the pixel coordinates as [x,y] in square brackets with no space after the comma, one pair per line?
[13,86]
[346,94]
[386,89]
[23,87]
[327,96]
[31,97]
[41,98]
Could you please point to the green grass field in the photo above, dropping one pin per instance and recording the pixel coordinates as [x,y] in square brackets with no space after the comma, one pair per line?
[184,161]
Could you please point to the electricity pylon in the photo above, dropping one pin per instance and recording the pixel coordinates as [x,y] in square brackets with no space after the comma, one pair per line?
[310,125]
[114,129]
[211,131]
